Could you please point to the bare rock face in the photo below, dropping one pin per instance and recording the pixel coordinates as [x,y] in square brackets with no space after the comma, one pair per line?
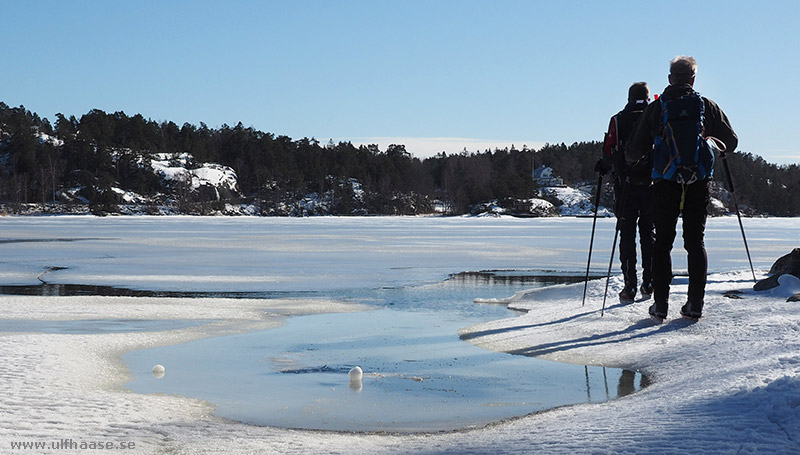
[788,264]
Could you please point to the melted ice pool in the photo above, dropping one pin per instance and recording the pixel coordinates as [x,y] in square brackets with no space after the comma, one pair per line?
[418,375]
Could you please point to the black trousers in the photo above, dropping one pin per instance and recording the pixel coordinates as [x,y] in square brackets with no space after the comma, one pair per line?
[634,208]
[667,200]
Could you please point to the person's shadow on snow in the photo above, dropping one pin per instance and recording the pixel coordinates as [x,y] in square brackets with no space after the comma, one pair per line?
[640,329]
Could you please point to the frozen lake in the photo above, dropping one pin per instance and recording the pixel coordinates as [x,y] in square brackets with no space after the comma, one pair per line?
[416,366]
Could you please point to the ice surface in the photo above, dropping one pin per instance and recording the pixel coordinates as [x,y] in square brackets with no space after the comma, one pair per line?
[727,384]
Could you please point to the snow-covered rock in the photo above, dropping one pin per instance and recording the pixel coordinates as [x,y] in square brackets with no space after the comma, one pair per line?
[181,168]
[784,272]
[574,202]
[48,139]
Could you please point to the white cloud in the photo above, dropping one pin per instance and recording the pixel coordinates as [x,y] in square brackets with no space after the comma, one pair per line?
[424,147]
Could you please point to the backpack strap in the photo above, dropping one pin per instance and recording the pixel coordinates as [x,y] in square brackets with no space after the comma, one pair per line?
[666,134]
[700,131]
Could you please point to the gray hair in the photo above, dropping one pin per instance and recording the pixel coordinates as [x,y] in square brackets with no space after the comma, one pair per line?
[682,69]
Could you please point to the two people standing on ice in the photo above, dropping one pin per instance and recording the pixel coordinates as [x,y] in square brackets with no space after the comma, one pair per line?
[677,137]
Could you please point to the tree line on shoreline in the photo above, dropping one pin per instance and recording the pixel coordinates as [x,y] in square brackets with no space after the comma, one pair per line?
[102,151]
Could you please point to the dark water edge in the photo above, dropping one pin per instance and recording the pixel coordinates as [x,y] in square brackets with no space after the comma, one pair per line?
[538,278]
[535,278]
[72,290]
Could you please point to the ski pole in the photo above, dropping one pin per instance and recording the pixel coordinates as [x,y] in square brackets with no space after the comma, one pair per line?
[608,277]
[591,240]
[735,204]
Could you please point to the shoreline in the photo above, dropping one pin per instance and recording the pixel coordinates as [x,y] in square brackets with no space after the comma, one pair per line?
[84,374]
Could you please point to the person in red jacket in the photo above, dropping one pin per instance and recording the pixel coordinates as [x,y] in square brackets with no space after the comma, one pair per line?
[632,194]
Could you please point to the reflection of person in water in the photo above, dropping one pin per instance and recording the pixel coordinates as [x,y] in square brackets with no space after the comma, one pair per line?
[625,386]
[626,383]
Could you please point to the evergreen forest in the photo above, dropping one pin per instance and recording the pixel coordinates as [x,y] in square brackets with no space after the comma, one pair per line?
[101,153]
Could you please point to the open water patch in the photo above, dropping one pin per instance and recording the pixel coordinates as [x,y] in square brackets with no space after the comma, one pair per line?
[478,280]
[53,240]
[530,278]
[418,375]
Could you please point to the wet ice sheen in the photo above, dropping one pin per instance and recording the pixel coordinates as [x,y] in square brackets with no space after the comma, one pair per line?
[418,374]
[95,326]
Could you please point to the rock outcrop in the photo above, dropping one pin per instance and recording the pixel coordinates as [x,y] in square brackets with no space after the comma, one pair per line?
[788,264]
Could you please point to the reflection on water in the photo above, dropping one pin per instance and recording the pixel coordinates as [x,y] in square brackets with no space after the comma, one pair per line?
[628,384]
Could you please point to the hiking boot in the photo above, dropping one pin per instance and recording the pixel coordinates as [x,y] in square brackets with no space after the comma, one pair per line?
[646,290]
[656,315]
[627,295]
[687,312]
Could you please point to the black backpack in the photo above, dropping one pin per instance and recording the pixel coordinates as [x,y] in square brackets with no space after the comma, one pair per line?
[638,173]
[681,153]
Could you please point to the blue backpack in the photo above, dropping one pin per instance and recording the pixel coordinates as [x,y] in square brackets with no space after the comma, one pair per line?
[681,153]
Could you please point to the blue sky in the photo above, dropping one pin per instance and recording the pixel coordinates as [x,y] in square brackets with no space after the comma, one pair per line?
[437,75]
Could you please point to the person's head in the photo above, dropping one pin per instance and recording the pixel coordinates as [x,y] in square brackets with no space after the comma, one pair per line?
[682,70]
[639,91]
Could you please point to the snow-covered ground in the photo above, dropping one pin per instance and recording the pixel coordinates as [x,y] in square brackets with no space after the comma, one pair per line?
[728,384]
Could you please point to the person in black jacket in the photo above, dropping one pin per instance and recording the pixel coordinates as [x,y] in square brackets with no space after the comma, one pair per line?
[632,194]
[674,193]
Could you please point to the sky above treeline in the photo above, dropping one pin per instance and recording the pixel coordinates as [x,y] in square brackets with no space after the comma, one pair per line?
[435,75]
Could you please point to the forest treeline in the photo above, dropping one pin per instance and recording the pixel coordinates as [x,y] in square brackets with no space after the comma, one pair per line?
[102,151]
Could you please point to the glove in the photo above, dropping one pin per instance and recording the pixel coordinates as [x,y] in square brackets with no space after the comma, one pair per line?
[602,166]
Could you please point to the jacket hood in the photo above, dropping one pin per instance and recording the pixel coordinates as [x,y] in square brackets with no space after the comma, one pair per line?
[677,90]
[635,105]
